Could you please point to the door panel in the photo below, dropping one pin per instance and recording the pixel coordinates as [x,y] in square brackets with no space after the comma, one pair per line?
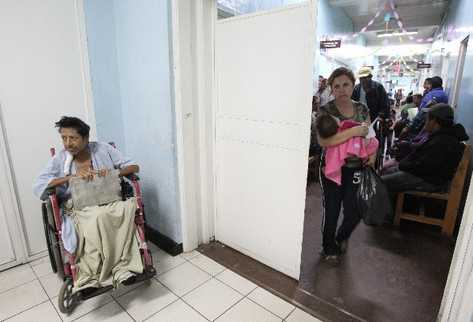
[264,89]
[12,250]
[42,79]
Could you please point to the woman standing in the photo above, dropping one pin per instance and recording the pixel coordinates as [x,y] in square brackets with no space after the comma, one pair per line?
[342,82]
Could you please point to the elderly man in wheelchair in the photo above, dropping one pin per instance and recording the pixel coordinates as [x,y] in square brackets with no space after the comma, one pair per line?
[97,224]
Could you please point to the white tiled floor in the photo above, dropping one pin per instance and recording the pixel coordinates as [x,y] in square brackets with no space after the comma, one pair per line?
[189,288]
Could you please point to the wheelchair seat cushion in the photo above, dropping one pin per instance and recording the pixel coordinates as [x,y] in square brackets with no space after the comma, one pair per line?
[99,191]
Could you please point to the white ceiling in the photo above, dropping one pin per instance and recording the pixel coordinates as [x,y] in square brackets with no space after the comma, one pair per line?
[423,16]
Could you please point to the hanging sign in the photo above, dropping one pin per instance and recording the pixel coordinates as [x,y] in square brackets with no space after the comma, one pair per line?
[421,65]
[327,44]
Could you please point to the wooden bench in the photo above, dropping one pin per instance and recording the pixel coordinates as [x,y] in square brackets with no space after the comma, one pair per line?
[453,198]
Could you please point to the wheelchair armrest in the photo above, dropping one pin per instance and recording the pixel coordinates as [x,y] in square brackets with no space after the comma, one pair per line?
[133,177]
[48,192]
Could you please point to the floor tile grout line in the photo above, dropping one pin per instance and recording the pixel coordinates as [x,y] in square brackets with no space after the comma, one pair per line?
[23,311]
[161,309]
[181,297]
[15,267]
[244,296]
[292,311]
[224,268]
[54,307]
[235,288]
[170,269]
[94,309]
[44,289]
[229,308]
[195,309]
[49,297]
[12,288]
[215,277]
[121,306]
[265,308]
[257,286]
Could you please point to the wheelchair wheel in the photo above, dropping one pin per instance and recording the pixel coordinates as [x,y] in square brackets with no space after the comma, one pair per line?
[54,247]
[48,238]
[67,301]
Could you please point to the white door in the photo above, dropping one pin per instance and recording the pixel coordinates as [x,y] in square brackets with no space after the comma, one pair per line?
[264,69]
[43,76]
[459,72]
[12,250]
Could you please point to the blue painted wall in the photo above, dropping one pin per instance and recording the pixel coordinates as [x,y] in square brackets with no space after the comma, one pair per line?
[101,41]
[458,25]
[134,61]
[250,6]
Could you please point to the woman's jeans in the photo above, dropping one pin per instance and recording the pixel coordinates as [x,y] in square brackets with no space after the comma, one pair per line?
[333,197]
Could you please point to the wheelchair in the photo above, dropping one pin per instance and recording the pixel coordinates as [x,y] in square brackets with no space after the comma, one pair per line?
[385,135]
[63,263]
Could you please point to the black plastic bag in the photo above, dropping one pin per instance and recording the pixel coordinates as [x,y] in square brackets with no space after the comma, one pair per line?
[373,199]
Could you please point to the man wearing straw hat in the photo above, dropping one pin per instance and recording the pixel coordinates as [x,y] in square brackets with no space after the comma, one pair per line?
[372,94]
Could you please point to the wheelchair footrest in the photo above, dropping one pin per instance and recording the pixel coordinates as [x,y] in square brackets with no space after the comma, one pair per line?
[94,291]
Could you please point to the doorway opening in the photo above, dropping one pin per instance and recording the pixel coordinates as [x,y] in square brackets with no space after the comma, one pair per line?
[387,273]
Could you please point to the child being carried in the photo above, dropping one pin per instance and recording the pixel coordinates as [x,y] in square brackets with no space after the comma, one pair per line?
[335,156]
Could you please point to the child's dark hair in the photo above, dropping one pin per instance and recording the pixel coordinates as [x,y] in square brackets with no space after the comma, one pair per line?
[73,123]
[326,126]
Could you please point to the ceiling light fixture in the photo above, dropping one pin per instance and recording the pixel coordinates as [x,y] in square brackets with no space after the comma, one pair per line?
[394,34]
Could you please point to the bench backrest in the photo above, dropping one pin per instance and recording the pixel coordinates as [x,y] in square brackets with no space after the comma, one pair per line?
[460,174]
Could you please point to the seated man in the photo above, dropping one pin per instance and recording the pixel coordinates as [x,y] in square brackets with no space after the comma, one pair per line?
[431,165]
[97,255]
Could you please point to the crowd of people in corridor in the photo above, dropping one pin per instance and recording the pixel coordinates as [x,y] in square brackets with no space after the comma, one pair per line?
[424,156]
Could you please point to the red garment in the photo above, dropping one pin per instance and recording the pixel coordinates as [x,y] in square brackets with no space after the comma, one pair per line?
[355,147]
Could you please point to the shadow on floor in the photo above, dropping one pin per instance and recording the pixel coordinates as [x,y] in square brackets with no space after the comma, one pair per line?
[387,274]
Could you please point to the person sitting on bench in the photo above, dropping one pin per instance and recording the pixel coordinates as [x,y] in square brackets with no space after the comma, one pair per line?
[431,166]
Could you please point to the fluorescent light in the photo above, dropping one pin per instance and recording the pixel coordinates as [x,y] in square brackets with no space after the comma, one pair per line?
[394,34]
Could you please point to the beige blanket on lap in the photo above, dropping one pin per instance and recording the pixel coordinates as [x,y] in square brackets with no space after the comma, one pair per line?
[108,245]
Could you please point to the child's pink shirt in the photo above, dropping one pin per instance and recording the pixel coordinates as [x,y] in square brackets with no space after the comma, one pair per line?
[357,146]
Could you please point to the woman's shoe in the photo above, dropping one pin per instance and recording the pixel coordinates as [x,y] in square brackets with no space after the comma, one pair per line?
[333,259]
[343,245]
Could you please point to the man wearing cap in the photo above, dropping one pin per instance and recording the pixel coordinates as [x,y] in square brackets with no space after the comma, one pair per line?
[432,165]
[371,93]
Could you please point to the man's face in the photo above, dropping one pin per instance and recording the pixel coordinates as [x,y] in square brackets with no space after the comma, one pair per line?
[427,86]
[73,141]
[365,82]
[416,100]
[322,83]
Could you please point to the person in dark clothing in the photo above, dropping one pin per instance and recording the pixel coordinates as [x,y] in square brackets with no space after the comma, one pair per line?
[434,95]
[432,165]
[335,237]
[372,94]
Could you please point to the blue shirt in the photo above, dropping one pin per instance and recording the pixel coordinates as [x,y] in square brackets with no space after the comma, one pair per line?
[435,95]
[103,155]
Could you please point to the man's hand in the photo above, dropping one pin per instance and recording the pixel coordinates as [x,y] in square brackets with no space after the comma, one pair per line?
[103,172]
[404,133]
[86,174]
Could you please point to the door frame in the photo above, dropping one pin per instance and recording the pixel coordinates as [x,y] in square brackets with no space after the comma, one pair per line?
[198,219]
[459,70]
[455,304]
[11,202]
[192,59]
